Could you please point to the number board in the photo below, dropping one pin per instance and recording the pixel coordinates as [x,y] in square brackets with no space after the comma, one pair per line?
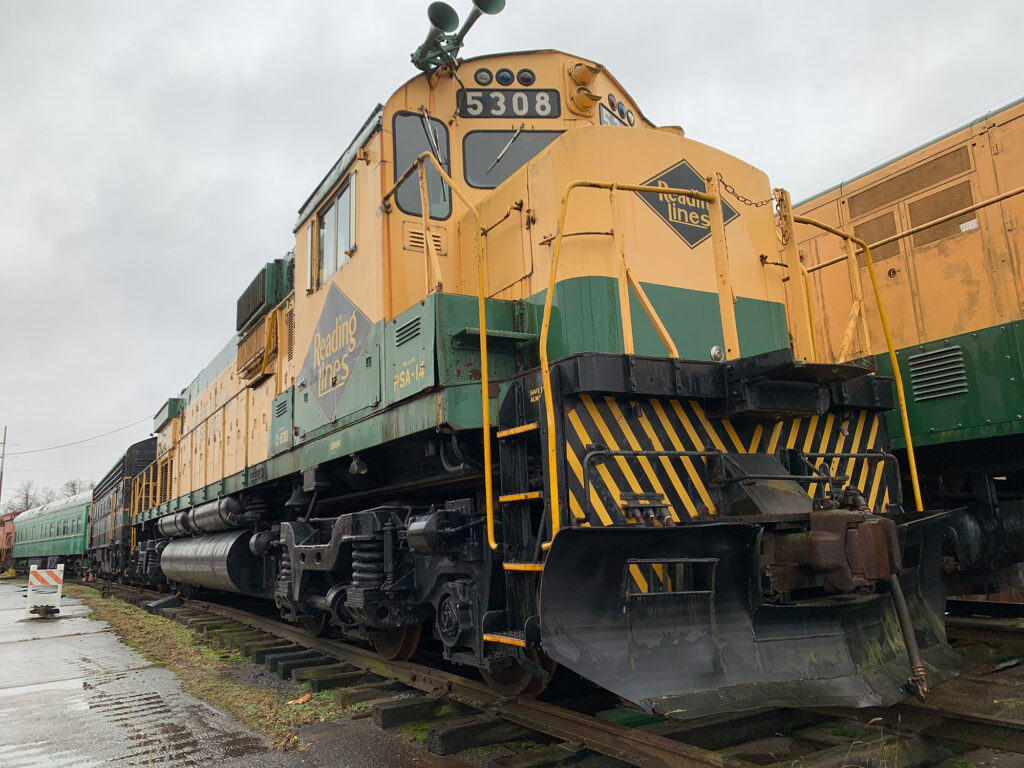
[509,102]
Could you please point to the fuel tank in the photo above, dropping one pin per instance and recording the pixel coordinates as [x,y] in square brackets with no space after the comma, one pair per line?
[220,561]
[217,515]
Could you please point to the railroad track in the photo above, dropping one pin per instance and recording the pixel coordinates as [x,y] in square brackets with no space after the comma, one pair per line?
[965,720]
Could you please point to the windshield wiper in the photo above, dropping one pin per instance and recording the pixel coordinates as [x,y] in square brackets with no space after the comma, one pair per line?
[508,146]
[432,140]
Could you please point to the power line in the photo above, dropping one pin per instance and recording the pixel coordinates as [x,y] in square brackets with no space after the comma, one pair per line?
[79,442]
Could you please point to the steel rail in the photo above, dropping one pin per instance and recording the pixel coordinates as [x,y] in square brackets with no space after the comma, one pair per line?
[631,745]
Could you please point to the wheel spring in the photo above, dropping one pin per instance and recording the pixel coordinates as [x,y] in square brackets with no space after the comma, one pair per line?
[367,564]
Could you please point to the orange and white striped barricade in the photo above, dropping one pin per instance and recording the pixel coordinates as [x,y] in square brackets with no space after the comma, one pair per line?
[44,590]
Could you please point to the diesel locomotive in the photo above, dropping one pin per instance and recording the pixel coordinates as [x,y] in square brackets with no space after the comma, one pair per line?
[526,383]
[943,225]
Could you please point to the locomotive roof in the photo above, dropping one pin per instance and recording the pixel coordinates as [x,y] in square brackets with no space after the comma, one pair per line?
[55,506]
[983,118]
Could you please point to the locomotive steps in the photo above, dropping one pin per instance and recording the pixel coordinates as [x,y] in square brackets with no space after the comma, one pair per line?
[974,720]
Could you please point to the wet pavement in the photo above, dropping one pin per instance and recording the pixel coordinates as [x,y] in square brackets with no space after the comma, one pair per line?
[72,694]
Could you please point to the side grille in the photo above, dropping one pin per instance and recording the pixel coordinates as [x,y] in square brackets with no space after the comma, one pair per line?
[407,331]
[939,373]
[290,322]
[873,230]
[252,300]
[910,182]
[412,240]
[281,408]
[927,209]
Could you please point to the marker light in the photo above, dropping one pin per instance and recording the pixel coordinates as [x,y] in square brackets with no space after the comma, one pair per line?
[483,77]
[611,102]
[622,110]
[629,117]
[525,77]
[505,77]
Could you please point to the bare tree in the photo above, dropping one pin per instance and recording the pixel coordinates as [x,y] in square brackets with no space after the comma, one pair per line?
[25,497]
[73,486]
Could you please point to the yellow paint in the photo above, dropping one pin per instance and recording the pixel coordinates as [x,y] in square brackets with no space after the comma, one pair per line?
[715,439]
[970,278]
[730,430]
[602,471]
[666,463]
[645,463]
[677,445]
[825,435]
[503,640]
[638,577]
[609,440]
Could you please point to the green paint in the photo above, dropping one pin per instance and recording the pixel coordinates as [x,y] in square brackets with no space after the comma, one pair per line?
[992,406]
[691,317]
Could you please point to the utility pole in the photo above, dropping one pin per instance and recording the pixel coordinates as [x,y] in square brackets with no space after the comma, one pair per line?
[3,456]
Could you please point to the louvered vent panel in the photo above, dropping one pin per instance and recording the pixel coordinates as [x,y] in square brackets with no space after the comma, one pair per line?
[290,322]
[407,331]
[940,373]
[413,240]
[281,408]
[907,183]
[252,300]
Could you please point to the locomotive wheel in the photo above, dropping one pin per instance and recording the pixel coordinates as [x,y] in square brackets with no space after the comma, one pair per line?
[515,680]
[314,624]
[397,644]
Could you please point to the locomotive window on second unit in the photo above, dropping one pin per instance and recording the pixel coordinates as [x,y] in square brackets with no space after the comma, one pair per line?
[414,135]
[336,236]
[490,157]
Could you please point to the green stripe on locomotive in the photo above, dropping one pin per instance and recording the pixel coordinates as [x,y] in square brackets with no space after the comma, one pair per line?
[422,368]
[963,387]
[61,533]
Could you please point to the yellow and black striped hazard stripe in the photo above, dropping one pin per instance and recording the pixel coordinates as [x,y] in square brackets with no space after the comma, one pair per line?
[665,424]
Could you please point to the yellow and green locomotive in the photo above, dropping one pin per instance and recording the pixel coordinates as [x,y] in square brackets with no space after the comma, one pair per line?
[526,381]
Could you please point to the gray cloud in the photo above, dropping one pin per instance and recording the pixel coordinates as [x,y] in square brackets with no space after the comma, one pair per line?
[152,155]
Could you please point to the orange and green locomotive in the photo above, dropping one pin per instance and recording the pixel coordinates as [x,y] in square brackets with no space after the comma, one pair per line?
[943,224]
[526,383]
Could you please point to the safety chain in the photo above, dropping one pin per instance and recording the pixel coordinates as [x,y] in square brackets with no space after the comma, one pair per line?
[784,235]
[745,200]
[783,231]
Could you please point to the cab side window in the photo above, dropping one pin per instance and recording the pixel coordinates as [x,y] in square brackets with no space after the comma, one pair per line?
[414,135]
[336,237]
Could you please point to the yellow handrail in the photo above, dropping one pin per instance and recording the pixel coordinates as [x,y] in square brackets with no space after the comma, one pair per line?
[545,364]
[888,343]
[485,401]
[801,319]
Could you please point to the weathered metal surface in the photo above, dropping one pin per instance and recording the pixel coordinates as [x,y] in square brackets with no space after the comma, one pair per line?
[711,645]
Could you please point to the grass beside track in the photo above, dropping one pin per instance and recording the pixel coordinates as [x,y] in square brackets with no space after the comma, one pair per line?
[209,673]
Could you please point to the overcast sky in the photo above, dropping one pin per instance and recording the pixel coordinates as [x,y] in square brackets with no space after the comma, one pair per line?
[153,154]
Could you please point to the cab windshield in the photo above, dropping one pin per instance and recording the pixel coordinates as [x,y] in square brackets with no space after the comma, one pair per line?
[481,149]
